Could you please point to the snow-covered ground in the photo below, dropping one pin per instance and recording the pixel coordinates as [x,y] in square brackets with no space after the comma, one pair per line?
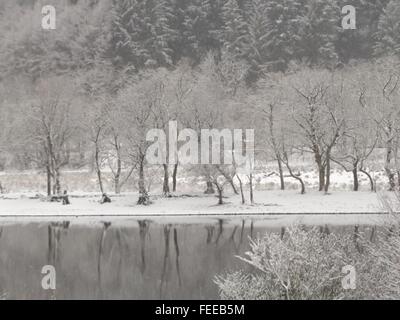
[267,202]
[341,206]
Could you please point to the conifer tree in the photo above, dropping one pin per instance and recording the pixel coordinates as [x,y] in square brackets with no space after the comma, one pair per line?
[201,26]
[319,32]
[388,34]
[360,42]
[282,35]
[234,31]
[257,46]
[142,33]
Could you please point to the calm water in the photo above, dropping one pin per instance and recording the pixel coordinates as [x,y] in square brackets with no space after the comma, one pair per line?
[137,259]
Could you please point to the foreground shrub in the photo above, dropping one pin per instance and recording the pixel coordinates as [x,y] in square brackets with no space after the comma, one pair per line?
[308,265]
[382,279]
[303,264]
[383,255]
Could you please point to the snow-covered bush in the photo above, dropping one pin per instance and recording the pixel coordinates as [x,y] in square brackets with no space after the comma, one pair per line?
[308,265]
[384,255]
[303,264]
[382,280]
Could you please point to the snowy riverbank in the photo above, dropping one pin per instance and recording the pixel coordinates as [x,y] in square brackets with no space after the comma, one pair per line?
[267,202]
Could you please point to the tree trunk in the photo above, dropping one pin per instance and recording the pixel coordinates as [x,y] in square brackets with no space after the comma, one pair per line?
[99,178]
[210,188]
[271,122]
[389,173]
[355,177]
[143,196]
[166,181]
[392,183]
[117,185]
[251,188]
[49,165]
[220,193]
[57,184]
[98,168]
[174,174]
[48,174]
[321,170]
[118,172]
[241,189]
[303,187]
[117,177]
[398,178]
[328,174]
[371,181]
[281,173]
[228,178]
[233,186]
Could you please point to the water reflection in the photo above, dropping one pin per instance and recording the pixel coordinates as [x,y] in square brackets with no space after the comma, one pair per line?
[55,230]
[141,259]
[144,226]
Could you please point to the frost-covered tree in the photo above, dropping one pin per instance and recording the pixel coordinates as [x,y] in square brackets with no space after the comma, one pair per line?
[318,112]
[381,96]
[50,118]
[141,103]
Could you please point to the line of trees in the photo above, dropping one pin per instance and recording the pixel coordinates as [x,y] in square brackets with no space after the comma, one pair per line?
[339,117]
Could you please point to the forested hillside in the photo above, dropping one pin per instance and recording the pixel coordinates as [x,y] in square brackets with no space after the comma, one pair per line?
[268,35]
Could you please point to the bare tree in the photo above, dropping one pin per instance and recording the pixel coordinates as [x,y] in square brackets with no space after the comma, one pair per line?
[286,162]
[320,118]
[357,146]
[49,125]
[218,181]
[140,102]
[274,144]
[115,152]
[379,97]
[97,134]
[179,86]
[201,111]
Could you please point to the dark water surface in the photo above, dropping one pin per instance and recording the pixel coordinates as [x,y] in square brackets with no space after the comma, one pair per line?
[139,259]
